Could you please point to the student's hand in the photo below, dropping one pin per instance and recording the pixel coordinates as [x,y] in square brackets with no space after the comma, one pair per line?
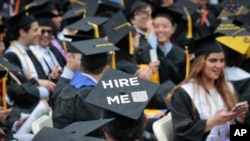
[241,112]
[154,65]
[47,84]
[222,116]
[4,114]
[56,72]
[144,73]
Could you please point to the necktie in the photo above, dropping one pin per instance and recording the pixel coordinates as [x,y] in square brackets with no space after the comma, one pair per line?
[55,43]
[203,15]
[38,67]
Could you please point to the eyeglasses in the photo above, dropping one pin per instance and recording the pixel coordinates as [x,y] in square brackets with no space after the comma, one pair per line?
[49,31]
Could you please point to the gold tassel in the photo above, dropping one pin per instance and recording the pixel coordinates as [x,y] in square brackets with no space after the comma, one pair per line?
[78,2]
[64,46]
[4,79]
[1,20]
[189,24]
[122,3]
[96,29]
[131,45]
[187,61]
[1,37]
[28,6]
[113,62]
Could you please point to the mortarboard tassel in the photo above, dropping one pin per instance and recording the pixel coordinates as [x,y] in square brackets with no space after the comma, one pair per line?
[96,29]
[28,6]
[64,46]
[122,2]
[187,61]
[113,62]
[4,79]
[189,24]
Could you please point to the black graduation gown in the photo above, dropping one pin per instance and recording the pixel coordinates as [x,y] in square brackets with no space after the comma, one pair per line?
[14,59]
[26,95]
[70,107]
[186,128]
[172,66]
[61,83]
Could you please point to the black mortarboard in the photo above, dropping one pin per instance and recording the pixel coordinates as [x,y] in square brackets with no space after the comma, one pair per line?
[74,12]
[6,66]
[235,37]
[83,128]
[89,24]
[242,20]
[90,5]
[122,93]
[47,133]
[95,52]
[117,29]
[33,4]
[110,6]
[21,20]
[205,45]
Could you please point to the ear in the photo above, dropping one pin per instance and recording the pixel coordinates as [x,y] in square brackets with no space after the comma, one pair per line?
[173,29]
[22,32]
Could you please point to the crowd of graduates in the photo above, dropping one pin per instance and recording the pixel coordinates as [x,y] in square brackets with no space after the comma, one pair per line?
[107,70]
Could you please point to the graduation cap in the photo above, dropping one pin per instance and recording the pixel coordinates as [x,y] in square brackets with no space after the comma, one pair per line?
[75,12]
[241,20]
[21,20]
[85,127]
[108,6]
[34,4]
[90,5]
[205,45]
[235,37]
[95,52]
[117,28]
[122,93]
[88,24]
[47,133]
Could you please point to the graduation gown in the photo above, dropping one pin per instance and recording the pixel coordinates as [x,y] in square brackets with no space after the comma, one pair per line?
[172,66]
[70,106]
[61,83]
[61,60]
[193,129]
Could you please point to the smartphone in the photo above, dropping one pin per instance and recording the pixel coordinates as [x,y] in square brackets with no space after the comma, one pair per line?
[237,106]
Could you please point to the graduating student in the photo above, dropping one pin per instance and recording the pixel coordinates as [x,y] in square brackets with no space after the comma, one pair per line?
[122,96]
[201,105]
[171,56]
[71,99]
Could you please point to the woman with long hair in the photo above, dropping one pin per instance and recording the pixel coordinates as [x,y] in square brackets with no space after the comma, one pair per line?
[202,104]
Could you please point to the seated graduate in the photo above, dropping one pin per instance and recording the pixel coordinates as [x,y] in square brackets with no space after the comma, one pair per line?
[119,32]
[201,105]
[235,56]
[122,96]
[70,106]
[170,56]
[73,63]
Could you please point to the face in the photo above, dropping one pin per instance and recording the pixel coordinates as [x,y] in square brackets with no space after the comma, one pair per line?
[140,18]
[163,29]
[74,61]
[56,20]
[46,36]
[214,65]
[33,34]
